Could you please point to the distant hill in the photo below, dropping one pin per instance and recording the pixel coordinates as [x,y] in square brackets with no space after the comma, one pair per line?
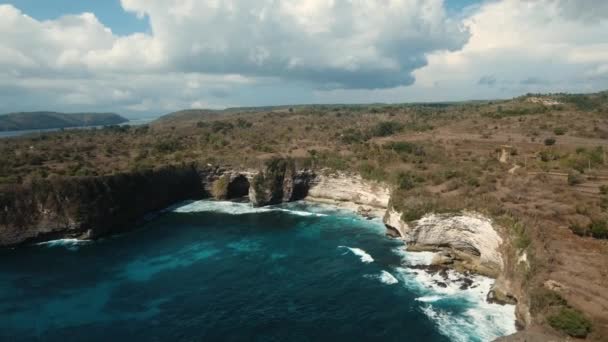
[48,120]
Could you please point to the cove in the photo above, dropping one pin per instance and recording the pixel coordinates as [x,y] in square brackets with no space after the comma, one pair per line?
[223,271]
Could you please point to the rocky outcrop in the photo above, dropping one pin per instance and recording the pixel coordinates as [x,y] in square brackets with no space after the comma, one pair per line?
[225,183]
[279,182]
[90,207]
[395,226]
[351,191]
[466,240]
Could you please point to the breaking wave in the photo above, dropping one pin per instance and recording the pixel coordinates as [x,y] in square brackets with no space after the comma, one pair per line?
[456,303]
[69,244]
[365,257]
[236,208]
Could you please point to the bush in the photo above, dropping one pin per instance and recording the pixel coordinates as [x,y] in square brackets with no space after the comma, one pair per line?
[542,298]
[386,128]
[578,229]
[599,229]
[574,179]
[550,141]
[404,147]
[560,130]
[369,171]
[406,181]
[570,321]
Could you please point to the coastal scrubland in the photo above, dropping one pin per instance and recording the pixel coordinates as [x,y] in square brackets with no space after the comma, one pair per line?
[536,164]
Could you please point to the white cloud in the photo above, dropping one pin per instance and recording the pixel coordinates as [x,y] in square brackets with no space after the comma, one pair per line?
[516,46]
[335,43]
[214,53]
[513,42]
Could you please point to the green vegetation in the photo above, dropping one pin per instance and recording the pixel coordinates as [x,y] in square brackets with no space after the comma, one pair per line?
[570,321]
[574,178]
[598,228]
[560,316]
[541,299]
[550,141]
[560,130]
[386,128]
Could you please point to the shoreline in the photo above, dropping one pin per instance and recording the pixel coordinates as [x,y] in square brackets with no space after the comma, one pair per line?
[363,210]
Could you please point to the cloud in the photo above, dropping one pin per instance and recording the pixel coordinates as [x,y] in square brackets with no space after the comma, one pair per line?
[217,53]
[515,47]
[338,43]
[541,42]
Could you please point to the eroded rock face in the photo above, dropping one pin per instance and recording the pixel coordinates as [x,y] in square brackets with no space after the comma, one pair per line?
[91,207]
[396,227]
[343,187]
[469,239]
[277,183]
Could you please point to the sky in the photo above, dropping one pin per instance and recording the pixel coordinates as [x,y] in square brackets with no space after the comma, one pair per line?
[143,58]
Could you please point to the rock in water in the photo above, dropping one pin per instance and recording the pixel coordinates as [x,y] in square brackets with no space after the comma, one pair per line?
[274,184]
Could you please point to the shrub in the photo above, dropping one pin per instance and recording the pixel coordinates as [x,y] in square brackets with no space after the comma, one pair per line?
[369,171]
[604,189]
[574,179]
[542,298]
[578,229]
[570,321]
[404,147]
[386,128]
[599,229]
[560,130]
[547,156]
[406,181]
[221,126]
[550,141]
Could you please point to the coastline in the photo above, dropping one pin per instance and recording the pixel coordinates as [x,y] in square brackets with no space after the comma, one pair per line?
[364,210]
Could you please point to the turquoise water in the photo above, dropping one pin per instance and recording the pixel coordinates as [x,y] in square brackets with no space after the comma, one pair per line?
[217,271]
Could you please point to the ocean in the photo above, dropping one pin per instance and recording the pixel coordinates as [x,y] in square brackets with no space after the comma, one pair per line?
[223,271]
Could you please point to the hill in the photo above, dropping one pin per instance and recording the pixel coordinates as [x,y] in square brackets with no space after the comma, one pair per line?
[48,120]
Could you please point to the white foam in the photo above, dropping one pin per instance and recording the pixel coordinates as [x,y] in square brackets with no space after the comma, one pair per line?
[365,258]
[70,244]
[479,320]
[388,278]
[298,212]
[384,277]
[235,208]
[428,299]
[414,259]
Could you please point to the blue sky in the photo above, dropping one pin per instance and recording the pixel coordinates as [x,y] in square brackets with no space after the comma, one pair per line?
[150,57]
[109,12]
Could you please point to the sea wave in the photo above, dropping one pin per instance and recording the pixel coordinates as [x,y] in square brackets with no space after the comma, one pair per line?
[236,208]
[69,244]
[428,298]
[384,277]
[457,306]
[414,259]
[365,257]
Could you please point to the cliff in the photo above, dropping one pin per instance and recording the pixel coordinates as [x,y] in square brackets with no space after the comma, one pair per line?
[90,207]
[349,190]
